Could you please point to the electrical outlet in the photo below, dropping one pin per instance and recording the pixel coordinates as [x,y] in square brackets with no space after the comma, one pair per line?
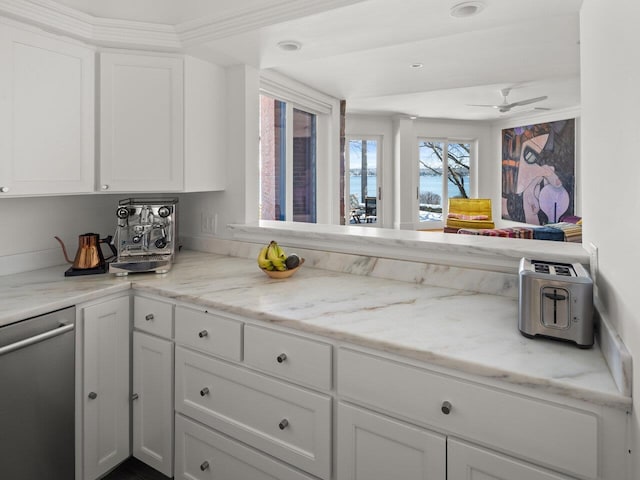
[208,222]
[593,265]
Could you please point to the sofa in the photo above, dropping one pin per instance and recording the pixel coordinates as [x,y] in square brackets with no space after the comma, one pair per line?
[469,213]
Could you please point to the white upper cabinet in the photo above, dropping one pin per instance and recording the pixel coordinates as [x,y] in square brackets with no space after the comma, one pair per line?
[141,122]
[162,123]
[205,129]
[47,104]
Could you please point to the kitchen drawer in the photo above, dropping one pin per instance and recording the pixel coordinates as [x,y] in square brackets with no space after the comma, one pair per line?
[560,437]
[204,454]
[288,422]
[288,356]
[153,316]
[209,332]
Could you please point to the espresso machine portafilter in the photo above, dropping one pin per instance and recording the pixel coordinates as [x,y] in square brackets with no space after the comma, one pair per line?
[146,235]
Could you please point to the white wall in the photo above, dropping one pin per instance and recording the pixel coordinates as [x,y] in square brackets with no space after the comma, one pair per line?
[610,79]
[29,225]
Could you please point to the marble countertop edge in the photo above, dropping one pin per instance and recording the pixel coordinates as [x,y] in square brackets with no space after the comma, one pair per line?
[558,387]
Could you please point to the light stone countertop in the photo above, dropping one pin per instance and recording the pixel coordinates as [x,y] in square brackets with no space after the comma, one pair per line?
[473,333]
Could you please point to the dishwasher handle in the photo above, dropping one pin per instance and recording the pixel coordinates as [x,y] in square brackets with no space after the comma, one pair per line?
[63,328]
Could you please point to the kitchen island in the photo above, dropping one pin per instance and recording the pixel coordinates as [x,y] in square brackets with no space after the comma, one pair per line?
[431,367]
[471,332]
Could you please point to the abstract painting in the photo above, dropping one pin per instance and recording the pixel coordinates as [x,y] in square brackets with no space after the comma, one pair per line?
[538,172]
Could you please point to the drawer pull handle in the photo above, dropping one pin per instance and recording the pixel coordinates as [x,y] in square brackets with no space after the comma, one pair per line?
[281,358]
[204,466]
[203,334]
[204,391]
[446,407]
[93,395]
[135,396]
[283,424]
[149,317]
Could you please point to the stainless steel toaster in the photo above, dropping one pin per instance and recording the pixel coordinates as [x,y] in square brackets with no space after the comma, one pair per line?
[555,301]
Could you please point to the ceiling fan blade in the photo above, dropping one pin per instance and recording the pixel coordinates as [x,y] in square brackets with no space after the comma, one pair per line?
[476,105]
[527,102]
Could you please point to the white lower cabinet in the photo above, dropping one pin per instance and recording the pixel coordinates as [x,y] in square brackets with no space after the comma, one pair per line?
[203,454]
[470,462]
[152,400]
[288,422]
[105,387]
[373,447]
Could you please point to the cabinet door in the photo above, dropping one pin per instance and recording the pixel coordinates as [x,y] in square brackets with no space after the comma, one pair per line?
[469,462]
[106,386]
[141,122]
[153,402]
[46,114]
[373,447]
[205,126]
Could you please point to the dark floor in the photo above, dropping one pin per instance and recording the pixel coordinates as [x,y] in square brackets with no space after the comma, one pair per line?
[134,469]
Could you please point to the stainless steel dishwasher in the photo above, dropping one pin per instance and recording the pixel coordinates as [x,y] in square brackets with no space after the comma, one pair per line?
[37,397]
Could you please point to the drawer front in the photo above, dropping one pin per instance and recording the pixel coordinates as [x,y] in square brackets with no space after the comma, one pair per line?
[288,356]
[153,316]
[282,420]
[204,454]
[560,437]
[209,332]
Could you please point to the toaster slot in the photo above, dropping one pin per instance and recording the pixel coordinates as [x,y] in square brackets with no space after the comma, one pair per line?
[555,307]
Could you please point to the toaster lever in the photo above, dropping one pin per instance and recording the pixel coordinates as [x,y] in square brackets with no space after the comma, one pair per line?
[555,296]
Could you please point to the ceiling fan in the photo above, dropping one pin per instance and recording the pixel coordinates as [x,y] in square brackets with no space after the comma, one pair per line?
[505,106]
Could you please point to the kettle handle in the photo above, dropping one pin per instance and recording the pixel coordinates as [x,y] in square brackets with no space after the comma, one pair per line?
[109,241]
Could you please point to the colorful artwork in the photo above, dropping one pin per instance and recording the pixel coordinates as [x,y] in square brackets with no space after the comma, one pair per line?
[538,172]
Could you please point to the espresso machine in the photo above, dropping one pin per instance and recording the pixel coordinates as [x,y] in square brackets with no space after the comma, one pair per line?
[146,236]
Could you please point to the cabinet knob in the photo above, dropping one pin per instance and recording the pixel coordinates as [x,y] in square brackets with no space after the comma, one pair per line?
[446,407]
[149,317]
[203,334]
[4,189]
[105,187]
[93,395]
[204,466]
[204,391]
[284,423]
[135,396]
[281,358]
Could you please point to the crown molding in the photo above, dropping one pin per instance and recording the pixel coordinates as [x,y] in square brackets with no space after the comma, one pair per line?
[58,18]
[53,16]
[207,29]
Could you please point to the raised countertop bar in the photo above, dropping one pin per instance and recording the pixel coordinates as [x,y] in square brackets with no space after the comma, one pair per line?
[468,251]
[473,333]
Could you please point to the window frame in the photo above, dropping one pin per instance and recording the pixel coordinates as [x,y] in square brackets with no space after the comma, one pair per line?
[379,176]
[327,111]
[473,152]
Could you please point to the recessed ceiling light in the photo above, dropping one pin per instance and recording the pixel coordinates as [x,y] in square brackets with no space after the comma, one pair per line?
[466,9]
[416,65]
[289,45]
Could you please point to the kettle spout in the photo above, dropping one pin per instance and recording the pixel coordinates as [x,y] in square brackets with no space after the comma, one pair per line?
[64,250]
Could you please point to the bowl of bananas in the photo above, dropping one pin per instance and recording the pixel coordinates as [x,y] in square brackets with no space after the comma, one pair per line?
[273,261]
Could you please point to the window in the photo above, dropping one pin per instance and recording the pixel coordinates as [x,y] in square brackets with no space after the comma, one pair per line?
[288,184]
[363,180]
[440,180]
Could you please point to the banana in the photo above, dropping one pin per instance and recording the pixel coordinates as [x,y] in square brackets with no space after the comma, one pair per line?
[273,254]
[263,261]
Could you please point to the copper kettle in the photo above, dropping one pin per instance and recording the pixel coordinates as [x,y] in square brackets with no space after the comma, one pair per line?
[89,254]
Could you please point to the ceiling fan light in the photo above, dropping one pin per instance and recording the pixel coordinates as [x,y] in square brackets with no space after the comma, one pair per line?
[466,9]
